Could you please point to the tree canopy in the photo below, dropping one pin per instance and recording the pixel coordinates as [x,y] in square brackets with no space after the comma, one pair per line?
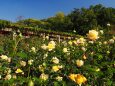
[79,20]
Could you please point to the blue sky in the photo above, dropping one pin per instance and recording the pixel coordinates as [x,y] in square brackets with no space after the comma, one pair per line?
[40,9]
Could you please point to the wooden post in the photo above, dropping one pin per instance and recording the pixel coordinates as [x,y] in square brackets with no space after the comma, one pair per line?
[59,38]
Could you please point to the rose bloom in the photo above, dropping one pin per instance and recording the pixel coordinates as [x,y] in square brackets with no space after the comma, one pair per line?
[44,47]
[56,68]
[8,70]
[44,76]
[70,42]
[84,49]
[18,71]
[78,78]
[81,41]
[8,77]
[101,31]
[47,37]
[9,60]
[55,60]
[105,42]
[59,78]
[72,77]
[93,35]
[23,63]
[108,24]
[65,50]
[30,62]
[51,45]
[111,41]
[41,68]
[4,57]
[79,63]
[84,56]
[33,49]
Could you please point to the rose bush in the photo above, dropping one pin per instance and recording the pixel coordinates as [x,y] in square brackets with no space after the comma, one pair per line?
[86,61]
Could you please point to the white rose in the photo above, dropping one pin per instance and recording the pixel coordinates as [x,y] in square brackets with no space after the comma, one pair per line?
[44,47]
[8,77]
[55,60]
[59,78]
[33,49]
[30,62]
[4,57]
[111,41]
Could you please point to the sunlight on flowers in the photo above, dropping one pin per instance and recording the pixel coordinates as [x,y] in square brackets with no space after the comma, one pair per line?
[51,45]
[77,78]
[92,35]
[18,71]
[56,68]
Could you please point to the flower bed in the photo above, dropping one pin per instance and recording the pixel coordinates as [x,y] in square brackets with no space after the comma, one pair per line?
[86,61]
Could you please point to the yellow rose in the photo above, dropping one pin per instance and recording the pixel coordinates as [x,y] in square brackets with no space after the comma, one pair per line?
[81,41]
[30,62]
[84,56]
[44,76]
[51,45]
[55,68]
[65,50]
[78,78]
[70,42]
[18,71]
[93,35]
[72,76]
[79,63]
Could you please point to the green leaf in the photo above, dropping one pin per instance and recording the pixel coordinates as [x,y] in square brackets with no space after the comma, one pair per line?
[22,54]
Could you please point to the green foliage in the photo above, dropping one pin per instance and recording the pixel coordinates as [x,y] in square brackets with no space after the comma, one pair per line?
[79,21]
[32,64]
[4,23]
